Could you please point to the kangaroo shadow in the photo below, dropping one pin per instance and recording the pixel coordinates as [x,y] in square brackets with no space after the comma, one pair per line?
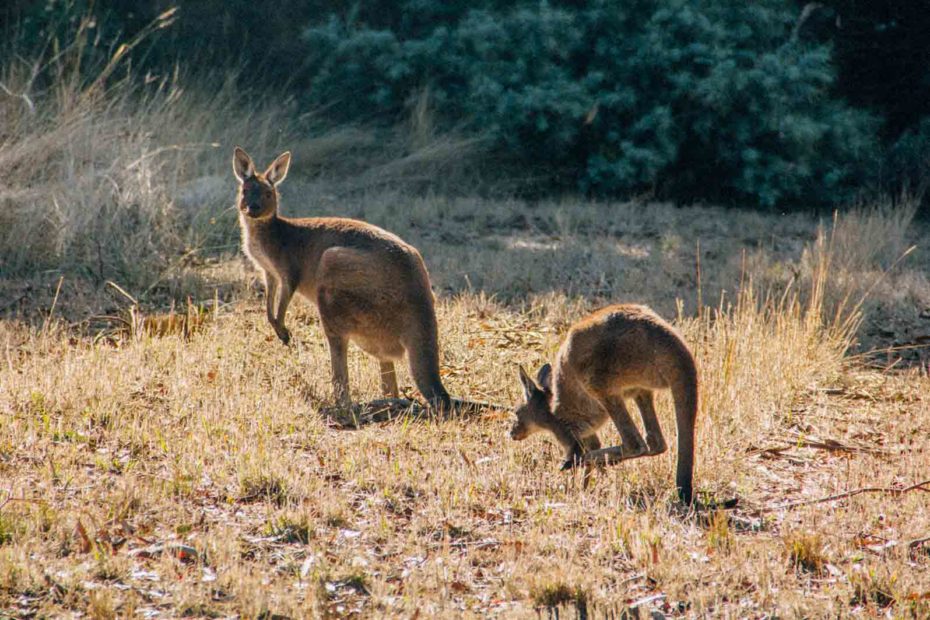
[358,415]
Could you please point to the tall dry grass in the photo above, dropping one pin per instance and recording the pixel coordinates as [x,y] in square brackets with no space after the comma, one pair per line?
[108,175]
[92,165]
[860,249]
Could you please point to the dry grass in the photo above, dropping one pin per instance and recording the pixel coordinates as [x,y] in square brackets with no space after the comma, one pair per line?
[112,180]
[193,473]
[172,461]
[93,168]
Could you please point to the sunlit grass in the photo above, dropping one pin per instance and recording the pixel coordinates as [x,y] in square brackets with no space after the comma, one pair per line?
[162,454]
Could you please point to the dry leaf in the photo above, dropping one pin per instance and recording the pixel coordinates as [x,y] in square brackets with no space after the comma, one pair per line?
[86,544]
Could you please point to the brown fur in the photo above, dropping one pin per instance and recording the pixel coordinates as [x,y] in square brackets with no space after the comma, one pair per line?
[369,286]
[618,352]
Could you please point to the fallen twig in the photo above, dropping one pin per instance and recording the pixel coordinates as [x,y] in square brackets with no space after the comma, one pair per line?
[9,498]
[832,445]
[920,486]
[773,450]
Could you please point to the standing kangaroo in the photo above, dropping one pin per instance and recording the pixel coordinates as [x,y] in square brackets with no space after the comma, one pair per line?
[368,285]
[619,352]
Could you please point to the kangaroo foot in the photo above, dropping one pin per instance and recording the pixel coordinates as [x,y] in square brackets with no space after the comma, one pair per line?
[611,456]
[284,335]
[463,408]
[470,408]
[573,458]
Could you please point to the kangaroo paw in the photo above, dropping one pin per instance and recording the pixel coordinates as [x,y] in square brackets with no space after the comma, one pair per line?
[573,461]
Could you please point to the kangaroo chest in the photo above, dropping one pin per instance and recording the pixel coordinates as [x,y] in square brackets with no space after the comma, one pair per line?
[253,245]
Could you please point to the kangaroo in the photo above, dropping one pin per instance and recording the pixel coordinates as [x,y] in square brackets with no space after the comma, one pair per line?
[368,285]
[619,352]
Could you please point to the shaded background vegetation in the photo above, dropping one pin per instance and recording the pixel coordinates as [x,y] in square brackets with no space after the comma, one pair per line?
[777,103]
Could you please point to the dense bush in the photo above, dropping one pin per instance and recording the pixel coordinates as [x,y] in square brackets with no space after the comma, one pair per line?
[714,101]
[777,102]
[882,55]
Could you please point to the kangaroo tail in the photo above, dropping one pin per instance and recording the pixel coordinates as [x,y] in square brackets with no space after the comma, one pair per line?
[423,356]
[685,393]
[424,366]
[425,370]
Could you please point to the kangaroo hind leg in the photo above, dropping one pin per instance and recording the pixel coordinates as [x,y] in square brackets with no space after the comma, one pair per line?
[338,355]
[655,442]
[632,445]
[389,380]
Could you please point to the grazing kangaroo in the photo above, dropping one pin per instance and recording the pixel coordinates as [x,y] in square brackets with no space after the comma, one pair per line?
[619,352]
[368,285]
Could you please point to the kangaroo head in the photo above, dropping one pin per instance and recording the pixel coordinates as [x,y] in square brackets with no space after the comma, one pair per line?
[535,413]
[258,194]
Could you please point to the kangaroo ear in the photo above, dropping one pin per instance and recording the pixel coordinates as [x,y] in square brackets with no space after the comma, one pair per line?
[278,168]
[529,386]
[544,377]
[243,167]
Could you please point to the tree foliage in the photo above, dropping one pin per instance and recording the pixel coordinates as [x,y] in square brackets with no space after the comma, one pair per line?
[716,100]
[772,103]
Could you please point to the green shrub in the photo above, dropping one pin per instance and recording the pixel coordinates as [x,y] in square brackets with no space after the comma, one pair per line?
[717,101]
[720,101]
